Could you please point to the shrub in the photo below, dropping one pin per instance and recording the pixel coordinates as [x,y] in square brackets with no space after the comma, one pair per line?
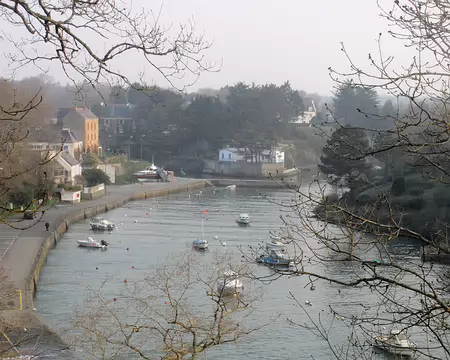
[94,177]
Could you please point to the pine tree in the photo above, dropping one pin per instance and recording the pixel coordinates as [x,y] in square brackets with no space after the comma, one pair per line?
[342,152]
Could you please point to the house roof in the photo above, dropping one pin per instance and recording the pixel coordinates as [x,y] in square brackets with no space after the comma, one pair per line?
[69,159]
[61,112]
[86,113]
[52,135]
[68,136]
[44,134]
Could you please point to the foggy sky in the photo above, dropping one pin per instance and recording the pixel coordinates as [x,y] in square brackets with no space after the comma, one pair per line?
[269,41]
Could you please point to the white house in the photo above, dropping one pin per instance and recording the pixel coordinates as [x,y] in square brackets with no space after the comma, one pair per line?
[66,168]
[307,115]
[229,155]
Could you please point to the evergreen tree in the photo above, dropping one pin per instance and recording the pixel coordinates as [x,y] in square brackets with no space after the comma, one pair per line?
[356,106]
[341,154]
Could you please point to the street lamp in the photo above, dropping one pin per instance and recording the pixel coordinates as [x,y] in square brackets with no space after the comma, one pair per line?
[142,137]
[129,148]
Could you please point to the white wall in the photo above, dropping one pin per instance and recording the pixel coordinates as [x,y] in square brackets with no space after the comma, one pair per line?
[69,196]
[226,155]
[110,170]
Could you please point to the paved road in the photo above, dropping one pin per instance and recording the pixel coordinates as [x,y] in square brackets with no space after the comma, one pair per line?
[7,237]
[19,248]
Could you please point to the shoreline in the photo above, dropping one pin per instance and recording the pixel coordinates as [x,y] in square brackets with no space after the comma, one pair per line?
[28,253]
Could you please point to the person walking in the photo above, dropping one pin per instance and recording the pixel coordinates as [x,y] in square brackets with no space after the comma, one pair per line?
[47,225]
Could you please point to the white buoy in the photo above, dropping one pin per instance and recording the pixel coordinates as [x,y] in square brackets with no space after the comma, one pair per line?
[126,215]
[223,243]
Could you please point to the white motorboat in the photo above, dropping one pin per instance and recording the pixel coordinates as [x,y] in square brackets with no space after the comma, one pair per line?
[91,243]
[243,219]
[231,187]
[396,342]
[100,223]
[202,243]
[229,284]
[149,173]
[275,243]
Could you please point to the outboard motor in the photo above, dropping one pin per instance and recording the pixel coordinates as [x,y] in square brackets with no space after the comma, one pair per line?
[103,242]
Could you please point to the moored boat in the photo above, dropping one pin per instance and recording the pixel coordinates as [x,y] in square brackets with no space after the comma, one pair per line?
[275,243]
[229,284]
[100,223]
[231,187]
[202,243]
[275,257]
[93,244]
[396,342]
[149,173]
[243,219]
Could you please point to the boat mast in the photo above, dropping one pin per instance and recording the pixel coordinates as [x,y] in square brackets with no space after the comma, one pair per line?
[203,233]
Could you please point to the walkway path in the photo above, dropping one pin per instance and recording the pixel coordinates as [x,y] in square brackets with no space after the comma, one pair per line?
[19,248]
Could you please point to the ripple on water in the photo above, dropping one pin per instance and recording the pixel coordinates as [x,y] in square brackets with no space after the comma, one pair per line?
[170,228]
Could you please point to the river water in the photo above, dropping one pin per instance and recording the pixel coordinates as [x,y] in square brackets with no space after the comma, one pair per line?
[150,230]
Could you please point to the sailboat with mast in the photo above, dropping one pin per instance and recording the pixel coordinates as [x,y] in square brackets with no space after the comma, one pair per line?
[202,243]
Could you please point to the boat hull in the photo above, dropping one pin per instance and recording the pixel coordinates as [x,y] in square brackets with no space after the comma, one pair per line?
[146,178]
[102,227]
[91,246]
[274,261]
[200,246]
[397,350]
[243,222]
[229,289]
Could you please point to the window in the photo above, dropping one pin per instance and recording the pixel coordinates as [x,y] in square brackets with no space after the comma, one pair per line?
[121,122]
[229,156]
[223,156]
[106,122]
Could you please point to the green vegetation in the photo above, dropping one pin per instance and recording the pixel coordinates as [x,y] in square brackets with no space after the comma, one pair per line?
[94,177]
[384,181]
[169,124]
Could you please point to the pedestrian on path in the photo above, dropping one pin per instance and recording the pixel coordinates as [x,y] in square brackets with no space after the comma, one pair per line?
[47,225]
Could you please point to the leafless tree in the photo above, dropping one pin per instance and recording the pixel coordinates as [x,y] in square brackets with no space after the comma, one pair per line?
[91,39]
[178,312]
[347,240]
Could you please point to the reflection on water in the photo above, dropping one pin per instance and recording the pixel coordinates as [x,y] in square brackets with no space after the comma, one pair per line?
[144,241]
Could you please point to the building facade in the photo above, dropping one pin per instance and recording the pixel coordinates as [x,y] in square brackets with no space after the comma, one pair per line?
[84,125]
[232,155]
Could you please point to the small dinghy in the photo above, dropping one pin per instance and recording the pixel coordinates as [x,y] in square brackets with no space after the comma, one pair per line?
[229,284]
[275,243]
[396,342]
[243,219]
[91,243]
[101,224]
[200,244]
[231,187]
